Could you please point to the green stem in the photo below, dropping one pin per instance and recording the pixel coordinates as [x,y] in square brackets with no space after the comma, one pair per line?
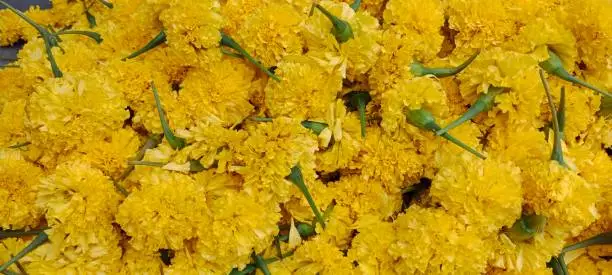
[356,4]
[8,272]
[557,152]
[357,100]
[418,69]
[601,239]
[316,127]
[20,233]
[38,241]
[341,30]
[146,163]
[156,41]
[19,145]
[261,264]
[423,119]
[174,141]
[261,119]
[557,264]
[93,35]
[44,33]
[554,65]
[228,41]
[561,114]
[121,189]
[151,143]
[484,103]
[296,178]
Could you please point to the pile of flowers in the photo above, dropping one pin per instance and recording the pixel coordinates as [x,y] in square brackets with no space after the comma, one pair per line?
[301,137]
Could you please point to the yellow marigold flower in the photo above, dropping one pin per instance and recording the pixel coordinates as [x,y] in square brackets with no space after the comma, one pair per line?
[271,32]
[206,139]
[140,262]
[590,22]
[69,111]
[506,139]
[165,214]
[345,129]
[218,94]
[584,265]
[79,195]
[192,27]
[266,157]
[314,256]
[19,183]
[16,84]
[338,227]
[110,155]
[524,256]
[432,241]
[12,119]
[365,198]
[241,224]
[355,56]
[394,163]
[484,194]
[561,195]
[370,247]
[411,31]
[305,91]
[541,32]
[480,23]
[68,253]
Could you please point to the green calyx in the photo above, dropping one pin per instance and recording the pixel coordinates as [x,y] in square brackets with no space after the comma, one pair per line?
[605,109]
[91,19]
[423,119]
[484,103]
[296,178]
[357,100]
[316,127]
[159,39]
[356,4]
[40,239]
[526,227]
[174,141]
[418,69]
[554,65]
[107,4]
[229,42]
[557,152]
[50,37]
[305,230]
[341,29]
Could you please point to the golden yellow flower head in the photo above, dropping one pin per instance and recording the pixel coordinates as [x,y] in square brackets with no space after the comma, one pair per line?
[76,109]
[165,214]
[19,181]
[306,90]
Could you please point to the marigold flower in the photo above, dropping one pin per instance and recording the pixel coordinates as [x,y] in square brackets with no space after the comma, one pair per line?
[19,181]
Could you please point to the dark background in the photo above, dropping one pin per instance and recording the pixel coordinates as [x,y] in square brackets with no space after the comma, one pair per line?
[11,52]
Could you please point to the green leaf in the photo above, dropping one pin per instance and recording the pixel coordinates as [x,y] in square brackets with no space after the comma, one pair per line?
[91,19]
[261,264]
[356,4]
[106,3]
